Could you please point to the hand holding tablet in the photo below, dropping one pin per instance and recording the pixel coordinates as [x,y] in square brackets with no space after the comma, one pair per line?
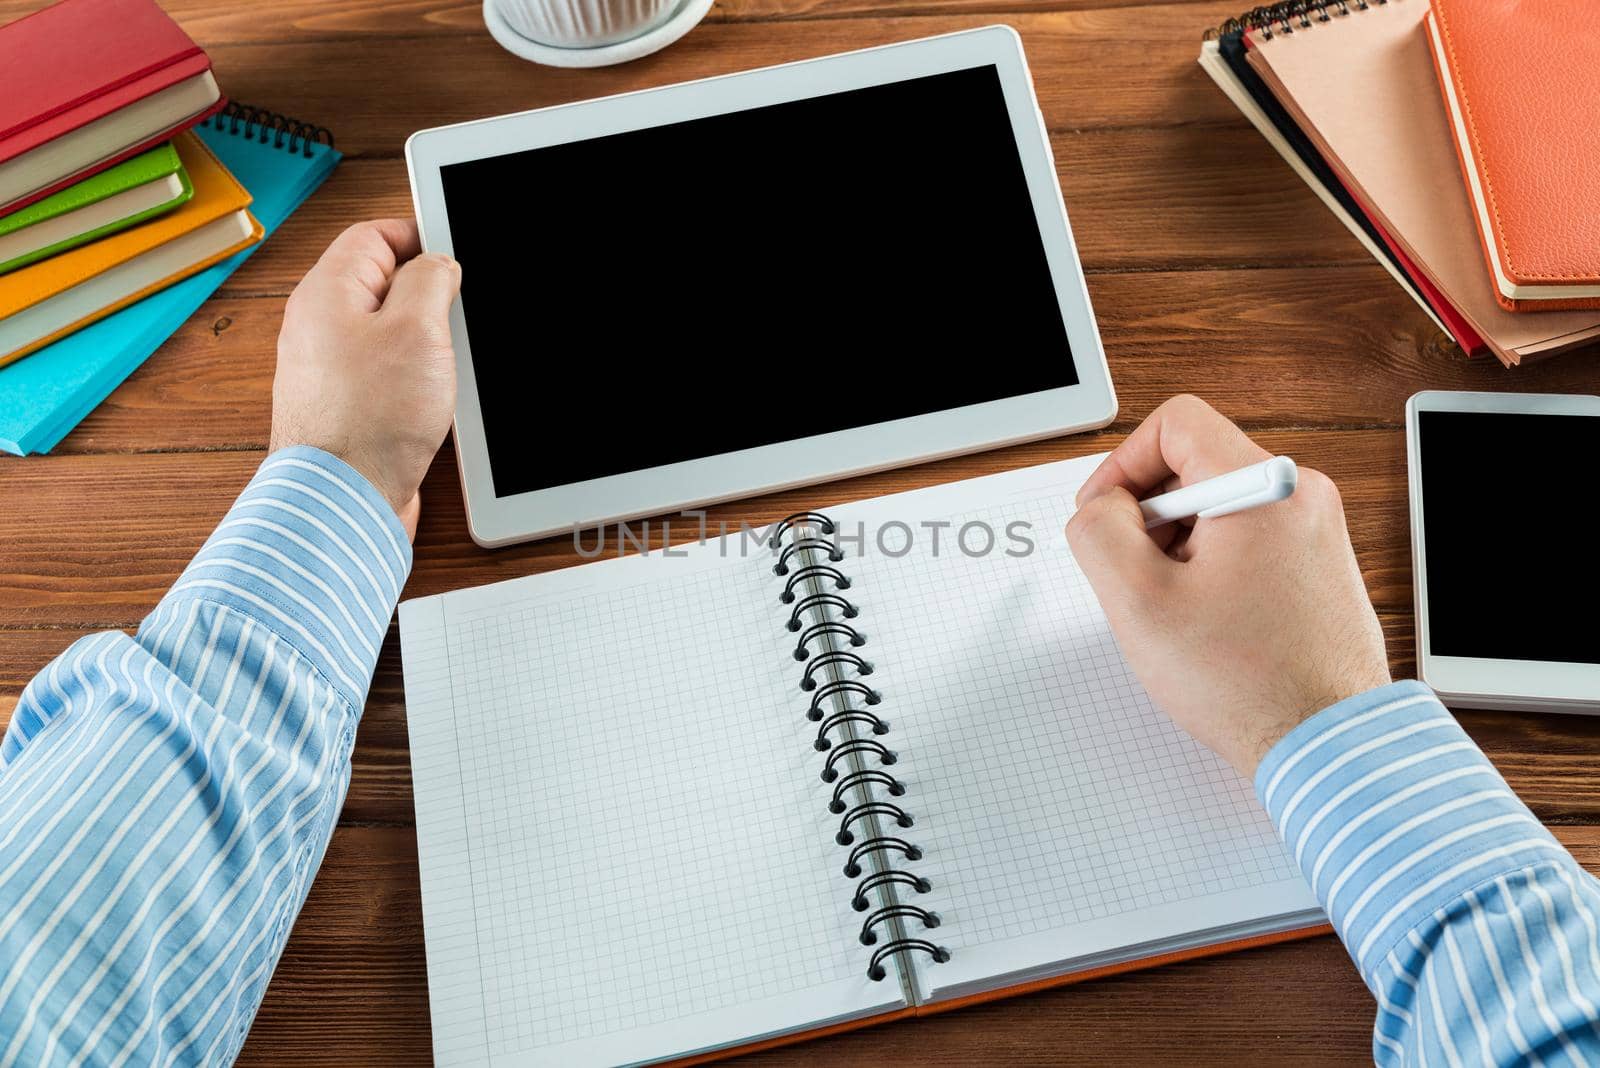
[747,283]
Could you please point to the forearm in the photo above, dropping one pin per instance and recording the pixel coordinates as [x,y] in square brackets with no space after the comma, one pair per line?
[165,799]
[1474,928]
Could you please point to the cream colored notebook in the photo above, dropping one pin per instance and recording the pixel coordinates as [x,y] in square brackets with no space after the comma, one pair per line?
[1362,87]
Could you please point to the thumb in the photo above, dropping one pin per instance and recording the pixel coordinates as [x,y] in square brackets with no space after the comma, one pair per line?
[1110,543]
[423,288]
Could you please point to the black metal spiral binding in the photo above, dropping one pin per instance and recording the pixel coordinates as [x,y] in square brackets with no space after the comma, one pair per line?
[817,630]
[886,878]
[829,659]
[824,679]
[877,844]
[902,818]
[895,787]
[875,970]
[823,523]
[846,609]
[837,687]
[1289,14]
[800,545]
[263,126]
[840,580]
[886,756]
[839,719]
[870,937]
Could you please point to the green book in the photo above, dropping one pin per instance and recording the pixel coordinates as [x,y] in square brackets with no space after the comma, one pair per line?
[118,197]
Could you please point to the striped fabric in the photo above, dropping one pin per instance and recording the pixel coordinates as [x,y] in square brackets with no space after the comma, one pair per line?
[1474,928]
[165,799]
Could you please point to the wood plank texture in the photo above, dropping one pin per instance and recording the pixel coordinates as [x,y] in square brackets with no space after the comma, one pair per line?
[1552,762]
[350,990]
[1143,71]
[1138,199]
[1211,268]
[1274,347]
[212,23]
[70,564]
[305,58]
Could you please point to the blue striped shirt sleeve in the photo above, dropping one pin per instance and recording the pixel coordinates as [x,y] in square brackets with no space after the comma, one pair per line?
[1476,931]
[166,798]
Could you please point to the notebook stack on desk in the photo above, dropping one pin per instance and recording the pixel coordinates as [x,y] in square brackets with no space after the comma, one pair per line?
[103,196]
[129,189]
[1488,218]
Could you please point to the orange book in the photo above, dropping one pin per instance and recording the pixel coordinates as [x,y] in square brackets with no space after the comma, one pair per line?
[670,810]
[1362,88]
[54,297]
[1520,80]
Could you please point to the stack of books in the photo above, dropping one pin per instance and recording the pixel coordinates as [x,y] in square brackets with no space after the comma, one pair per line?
[129,189]
[1454,138]
[103,197]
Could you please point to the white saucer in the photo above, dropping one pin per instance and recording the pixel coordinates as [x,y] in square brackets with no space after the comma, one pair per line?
[688,15]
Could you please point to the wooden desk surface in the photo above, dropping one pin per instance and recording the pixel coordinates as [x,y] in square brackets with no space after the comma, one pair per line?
[1212,269]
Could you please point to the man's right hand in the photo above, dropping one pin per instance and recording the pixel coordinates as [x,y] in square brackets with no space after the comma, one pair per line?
[1240,626]
[365,368]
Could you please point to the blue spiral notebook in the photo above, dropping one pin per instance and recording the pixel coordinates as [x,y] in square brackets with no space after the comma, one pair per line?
[45,395]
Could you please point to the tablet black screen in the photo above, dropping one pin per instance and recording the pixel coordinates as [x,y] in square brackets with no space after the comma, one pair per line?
[1510,540]
[713,285]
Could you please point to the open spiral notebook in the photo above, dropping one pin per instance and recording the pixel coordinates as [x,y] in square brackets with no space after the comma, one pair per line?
[861,765]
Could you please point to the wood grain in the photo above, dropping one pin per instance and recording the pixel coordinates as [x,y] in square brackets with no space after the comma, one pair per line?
[212,23]
[1138,200]
[1093,68]
[1274,347]
[350,990]
[1552,762]
[319,45]
[1211,268]
[93,552]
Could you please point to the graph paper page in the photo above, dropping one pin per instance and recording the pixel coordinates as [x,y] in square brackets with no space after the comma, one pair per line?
[625,848]
[1063,816]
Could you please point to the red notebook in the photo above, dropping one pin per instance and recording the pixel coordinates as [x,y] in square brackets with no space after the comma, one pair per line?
[89,83]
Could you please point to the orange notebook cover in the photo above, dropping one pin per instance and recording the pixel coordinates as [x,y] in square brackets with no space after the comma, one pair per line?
[1521,81]
[1003,993]
[219,202]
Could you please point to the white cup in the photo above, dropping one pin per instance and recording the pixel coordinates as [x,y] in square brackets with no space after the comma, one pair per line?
[584,23]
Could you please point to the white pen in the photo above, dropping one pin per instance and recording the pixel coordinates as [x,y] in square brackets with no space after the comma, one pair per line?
[1262,483]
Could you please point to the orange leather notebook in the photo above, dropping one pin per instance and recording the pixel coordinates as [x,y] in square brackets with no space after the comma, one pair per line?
[56,296]
[1521,84]
[672,809]
[1361,85]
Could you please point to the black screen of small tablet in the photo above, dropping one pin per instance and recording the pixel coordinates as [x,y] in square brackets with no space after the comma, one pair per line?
[713,285]
[1509,525]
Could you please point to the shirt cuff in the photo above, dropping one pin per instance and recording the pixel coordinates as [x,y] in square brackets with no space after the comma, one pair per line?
[1392,812]
[314,554]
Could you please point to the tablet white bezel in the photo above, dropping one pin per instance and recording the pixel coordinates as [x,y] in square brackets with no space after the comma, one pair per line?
[1470,682]
[672,487]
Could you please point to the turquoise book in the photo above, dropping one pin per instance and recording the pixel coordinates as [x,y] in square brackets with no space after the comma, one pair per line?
[43,396]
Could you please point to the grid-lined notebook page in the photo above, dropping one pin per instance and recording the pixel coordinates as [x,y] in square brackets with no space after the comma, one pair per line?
[624,853]
[1063,817]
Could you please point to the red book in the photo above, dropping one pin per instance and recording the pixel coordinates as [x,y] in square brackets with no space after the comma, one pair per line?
[89,83]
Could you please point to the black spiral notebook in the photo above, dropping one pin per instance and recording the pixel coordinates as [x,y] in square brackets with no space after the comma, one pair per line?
[865,762]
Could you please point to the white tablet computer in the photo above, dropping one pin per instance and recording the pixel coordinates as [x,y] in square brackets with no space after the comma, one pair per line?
[756,281]
[1507,579]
